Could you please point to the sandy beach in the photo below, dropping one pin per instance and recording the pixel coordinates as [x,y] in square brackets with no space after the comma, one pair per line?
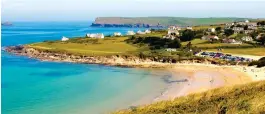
[203,77]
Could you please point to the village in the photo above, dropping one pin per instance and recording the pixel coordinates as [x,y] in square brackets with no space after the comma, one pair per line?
[236,33]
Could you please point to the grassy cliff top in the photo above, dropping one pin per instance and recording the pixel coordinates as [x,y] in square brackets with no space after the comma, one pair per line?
[165,21]
[240,99]
[88,46]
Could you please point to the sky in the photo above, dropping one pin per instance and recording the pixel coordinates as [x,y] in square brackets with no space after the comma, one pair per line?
[88,10]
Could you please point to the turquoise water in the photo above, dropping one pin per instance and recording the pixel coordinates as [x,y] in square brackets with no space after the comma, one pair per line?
[33,87]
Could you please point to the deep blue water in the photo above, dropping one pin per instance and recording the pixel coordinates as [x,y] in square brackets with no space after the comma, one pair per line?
[33,87]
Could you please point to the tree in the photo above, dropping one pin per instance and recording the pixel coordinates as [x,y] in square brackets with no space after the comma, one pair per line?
[174,44]
[187,35]
[245,27]
[218,29]
[229,32]
[261,23]
[254,34]
[262,39]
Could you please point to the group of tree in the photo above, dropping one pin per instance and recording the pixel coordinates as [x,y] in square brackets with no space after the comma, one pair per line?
[261,23]
[155,42]
[187,35]
[228,32]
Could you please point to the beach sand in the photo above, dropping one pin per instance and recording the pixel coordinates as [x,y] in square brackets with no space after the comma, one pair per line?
[203,77]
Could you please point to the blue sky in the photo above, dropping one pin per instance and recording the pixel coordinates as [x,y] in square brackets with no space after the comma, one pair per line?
[85,10]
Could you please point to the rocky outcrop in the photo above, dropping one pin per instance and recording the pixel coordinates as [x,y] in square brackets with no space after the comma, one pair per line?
[115,60]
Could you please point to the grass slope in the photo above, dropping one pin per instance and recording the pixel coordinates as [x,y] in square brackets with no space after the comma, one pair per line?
[88,46]
[240,99]
[182,21]
[246,49]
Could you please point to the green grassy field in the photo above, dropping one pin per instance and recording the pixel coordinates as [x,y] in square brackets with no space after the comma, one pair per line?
[86,46]
[205,44]
[243,51]
[246,49]
[207,27]
[240,99]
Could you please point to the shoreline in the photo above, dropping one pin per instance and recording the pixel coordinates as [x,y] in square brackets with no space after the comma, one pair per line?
[201,75]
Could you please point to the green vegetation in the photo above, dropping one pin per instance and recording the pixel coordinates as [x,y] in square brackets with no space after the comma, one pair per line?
[187,35]
[259,51]
[154,42]
[239,99]
[259,63]
[165,21]
[87,46]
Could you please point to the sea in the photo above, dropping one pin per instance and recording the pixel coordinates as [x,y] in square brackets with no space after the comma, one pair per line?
[31,86]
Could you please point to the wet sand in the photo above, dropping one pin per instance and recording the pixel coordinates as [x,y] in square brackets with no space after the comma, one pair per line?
[202,77]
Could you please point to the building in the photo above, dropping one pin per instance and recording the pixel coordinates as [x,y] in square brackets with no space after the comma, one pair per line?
[117,34]
[231,41]
[171,49]
[252,24]
[211,29]
[147,31]
[238,29]
[248,31]
[189,28]
[97,35]
[210,38]
[140,32]
[247,38]
[241,23]
[253,27]
[130,33]
[65,39]
[169,37]
[246,21]
[174,28]
[228,25]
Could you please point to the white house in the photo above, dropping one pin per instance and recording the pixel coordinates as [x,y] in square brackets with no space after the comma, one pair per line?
[171,49]
[252,27]
[238,29]
[247,21]
[140,32]
[169,37]
[211,29]
[147,31]
[210,38]
[130,33]
[65,39]
[189,28]
[231,41]
[173,30]
[117,34]
[248,31]
[242,23]
[98,35]
[247,38]
[229,24]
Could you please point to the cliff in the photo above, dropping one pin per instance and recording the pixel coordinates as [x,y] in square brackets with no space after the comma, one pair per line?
[148,22]
[112,60]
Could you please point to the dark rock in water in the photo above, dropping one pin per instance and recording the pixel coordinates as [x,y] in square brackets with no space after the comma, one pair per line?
[6,24]
[14,48]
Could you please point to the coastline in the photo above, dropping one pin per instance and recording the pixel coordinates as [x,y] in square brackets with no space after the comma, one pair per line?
[201,76]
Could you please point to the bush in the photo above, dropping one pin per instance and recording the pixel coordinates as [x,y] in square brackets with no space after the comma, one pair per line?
[259,63]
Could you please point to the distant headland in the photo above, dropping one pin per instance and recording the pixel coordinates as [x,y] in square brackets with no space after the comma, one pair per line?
[151,22]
